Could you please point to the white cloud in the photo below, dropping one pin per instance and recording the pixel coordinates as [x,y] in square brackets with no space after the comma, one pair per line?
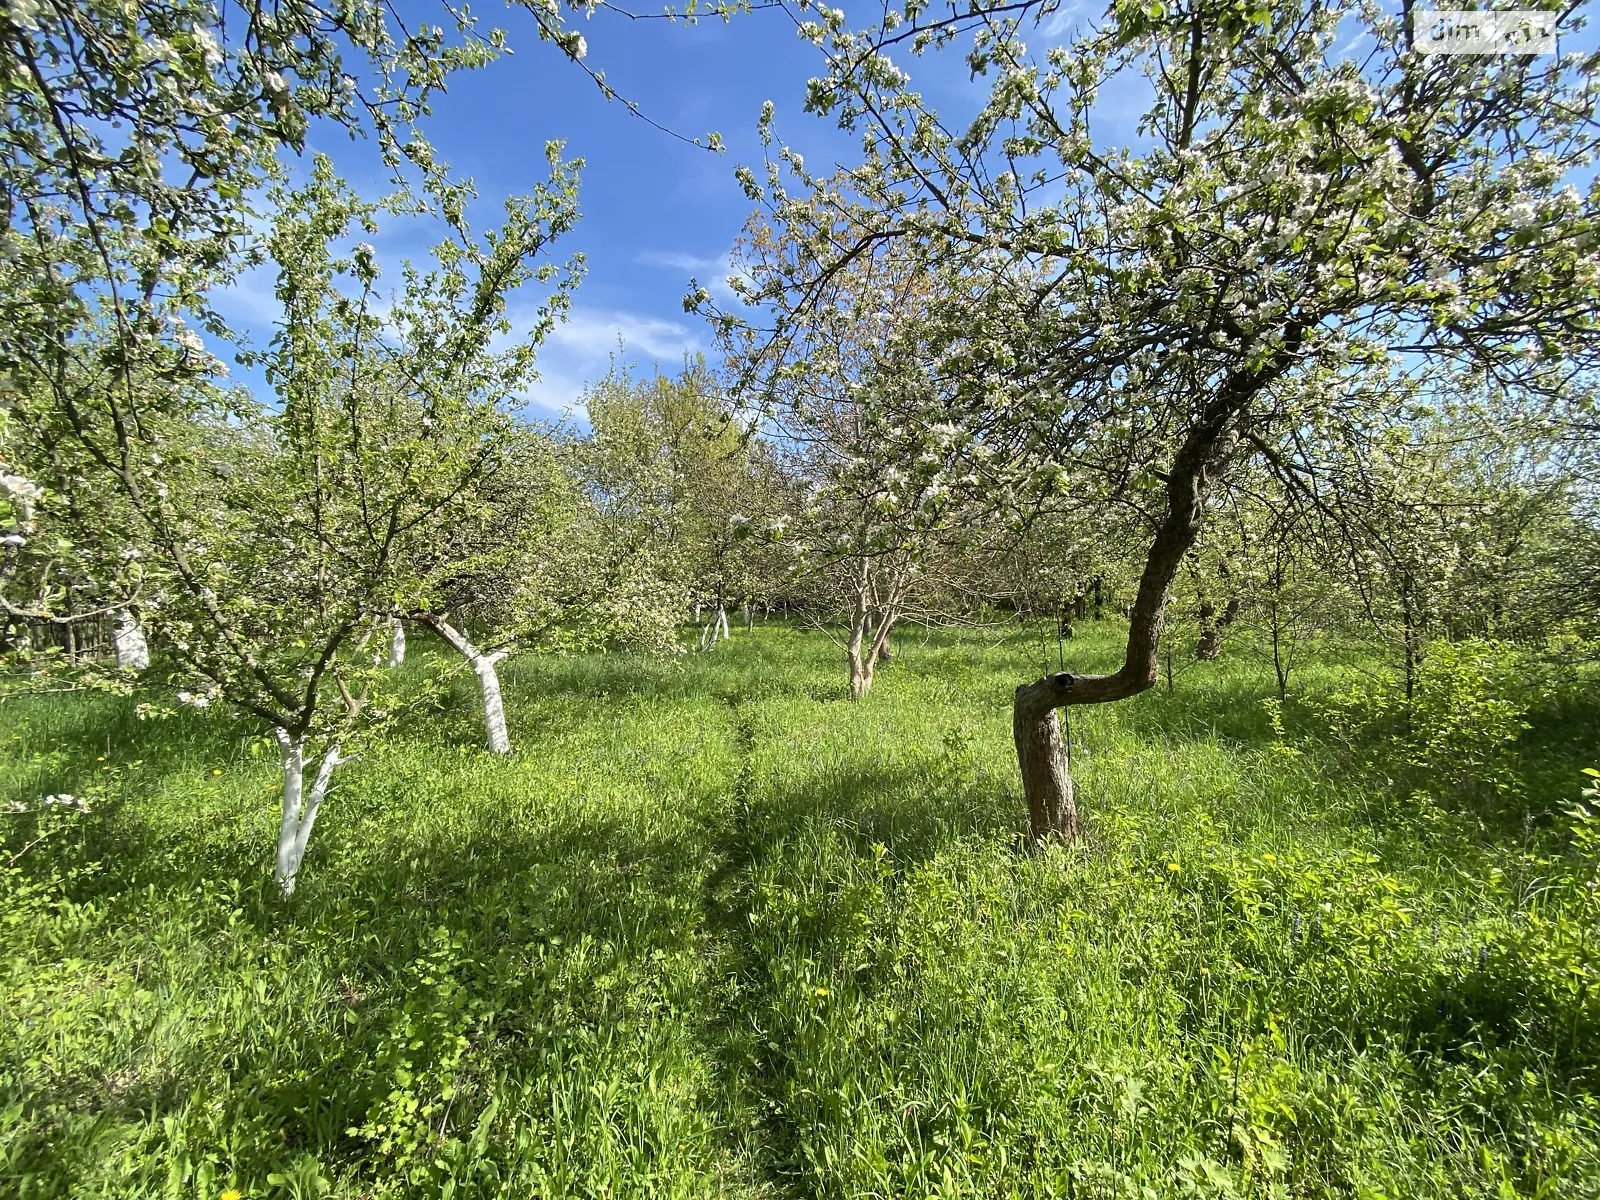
[250,300]
[596,332]
[693,263]
[712,271]
[579,351]
[1061,21]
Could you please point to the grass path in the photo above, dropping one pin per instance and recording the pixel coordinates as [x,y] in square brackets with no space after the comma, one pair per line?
[716,931]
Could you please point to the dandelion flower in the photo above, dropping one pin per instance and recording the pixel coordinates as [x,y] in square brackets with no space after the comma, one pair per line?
[216,770]
[822,991]
[1172,866]
[230,1194]
[1271,858]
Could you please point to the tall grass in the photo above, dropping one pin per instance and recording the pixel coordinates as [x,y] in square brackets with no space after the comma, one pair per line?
[715,930]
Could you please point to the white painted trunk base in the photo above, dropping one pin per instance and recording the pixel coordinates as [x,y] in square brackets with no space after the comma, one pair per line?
[494,712]
[133,652]
[397,643]
[299,808]
[483,666]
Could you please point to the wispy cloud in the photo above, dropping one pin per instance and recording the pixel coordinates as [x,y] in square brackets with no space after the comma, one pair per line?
[1062,20]
[712,270]
[693,263]
[597,332]
[579,351]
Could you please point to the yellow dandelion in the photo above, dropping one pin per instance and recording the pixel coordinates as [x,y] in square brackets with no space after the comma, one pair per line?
[216,770]
[1205,970]
[822,991]
[1172,866]
[1269,858]
[230,1194]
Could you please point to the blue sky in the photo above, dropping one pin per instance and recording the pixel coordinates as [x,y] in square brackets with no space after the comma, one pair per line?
[655,211]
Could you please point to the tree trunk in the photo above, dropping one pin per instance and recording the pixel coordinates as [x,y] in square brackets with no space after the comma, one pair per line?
[397,642]
[749,618]
[880,652]
[697,607]
[299,809]
[483,666]
[861,665]
[1212,627]
[1046,774]
[1099,606]
[722,621]
[1209,443]
[133,652]
[1280,668]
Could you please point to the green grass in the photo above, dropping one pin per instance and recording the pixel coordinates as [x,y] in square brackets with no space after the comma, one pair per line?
[716,931]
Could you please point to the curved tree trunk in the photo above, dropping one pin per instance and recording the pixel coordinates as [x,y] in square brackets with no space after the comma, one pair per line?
[483,666]
[1046,780]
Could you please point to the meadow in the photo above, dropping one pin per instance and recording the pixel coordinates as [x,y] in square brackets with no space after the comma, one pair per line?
[715,930]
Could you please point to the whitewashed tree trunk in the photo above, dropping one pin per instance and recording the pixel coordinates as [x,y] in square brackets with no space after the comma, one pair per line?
[494,712]
[397,643]
[133,652]
[749,619]
[299,808]
[722,620]
[697,607]
[483,666]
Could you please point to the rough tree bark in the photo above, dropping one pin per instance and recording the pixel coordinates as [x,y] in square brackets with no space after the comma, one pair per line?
[133,652]
[299,808]
[1041,755]
[483,666]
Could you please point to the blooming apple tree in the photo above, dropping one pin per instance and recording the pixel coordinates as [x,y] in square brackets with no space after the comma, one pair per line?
[1305,198]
